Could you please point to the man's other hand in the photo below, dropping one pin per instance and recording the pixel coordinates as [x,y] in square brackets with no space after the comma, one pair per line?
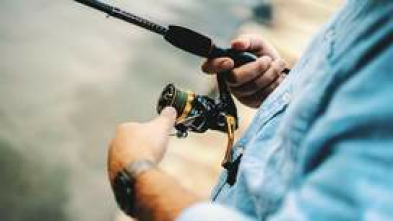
[140,141]
[252,82]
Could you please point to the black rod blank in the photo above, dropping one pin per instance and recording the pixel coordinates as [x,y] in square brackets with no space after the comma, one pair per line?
[180,37]
[125,16]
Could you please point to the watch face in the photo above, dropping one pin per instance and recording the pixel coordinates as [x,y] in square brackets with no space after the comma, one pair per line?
[124,193]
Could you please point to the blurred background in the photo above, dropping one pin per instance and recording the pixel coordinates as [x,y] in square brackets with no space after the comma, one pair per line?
[68,76]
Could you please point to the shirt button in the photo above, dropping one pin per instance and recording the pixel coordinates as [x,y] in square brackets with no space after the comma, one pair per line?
[241,150]
[330,35]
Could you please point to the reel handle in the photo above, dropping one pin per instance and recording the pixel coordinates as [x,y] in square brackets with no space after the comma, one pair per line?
[240,58]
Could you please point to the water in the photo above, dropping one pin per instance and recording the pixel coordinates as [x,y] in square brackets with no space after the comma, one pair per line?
[67,77]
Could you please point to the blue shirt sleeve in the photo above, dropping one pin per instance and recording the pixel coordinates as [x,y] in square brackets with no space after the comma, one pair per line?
[212,212]
[347,160]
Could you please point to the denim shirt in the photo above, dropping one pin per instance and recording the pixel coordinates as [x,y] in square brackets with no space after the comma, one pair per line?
[321,145]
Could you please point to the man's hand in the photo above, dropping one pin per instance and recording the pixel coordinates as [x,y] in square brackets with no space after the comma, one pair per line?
[253,82]
[157,196]
[135,141]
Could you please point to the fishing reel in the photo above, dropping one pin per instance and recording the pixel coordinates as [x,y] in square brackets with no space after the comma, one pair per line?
[199,113]
[196,113]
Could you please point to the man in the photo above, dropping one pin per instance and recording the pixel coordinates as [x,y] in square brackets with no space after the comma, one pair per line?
[320,146]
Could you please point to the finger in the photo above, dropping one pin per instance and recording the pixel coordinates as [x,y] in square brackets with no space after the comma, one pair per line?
[258,97]
[248,43]
[270,88]
[254,44]
[276,68]
[252,87]
[261,82]
[217,65]
[166,120]
[249,72]
[241,44]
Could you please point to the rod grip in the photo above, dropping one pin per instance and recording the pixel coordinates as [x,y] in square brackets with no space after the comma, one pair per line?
[240,58]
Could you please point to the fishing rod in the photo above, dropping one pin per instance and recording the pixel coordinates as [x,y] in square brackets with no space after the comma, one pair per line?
[180,37]
[196,113]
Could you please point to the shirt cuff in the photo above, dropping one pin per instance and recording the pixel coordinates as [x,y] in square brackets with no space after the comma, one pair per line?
[211,212]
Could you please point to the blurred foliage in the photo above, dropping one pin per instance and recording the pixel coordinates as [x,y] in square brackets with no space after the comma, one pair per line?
[28,190]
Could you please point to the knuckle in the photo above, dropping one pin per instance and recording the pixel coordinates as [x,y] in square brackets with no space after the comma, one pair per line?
[243,37]
[235,73]
[215,66]
[216,63]
[242,76]
[270,78]
[278,66]
[126,126]
[262,64]
[267,59]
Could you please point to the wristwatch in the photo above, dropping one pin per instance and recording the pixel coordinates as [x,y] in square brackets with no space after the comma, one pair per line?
[124,185]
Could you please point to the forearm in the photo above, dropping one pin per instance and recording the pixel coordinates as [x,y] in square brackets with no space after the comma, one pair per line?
[159,197]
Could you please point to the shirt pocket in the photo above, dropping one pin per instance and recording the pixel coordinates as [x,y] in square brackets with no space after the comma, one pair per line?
[263,155]
[275,104]
[257,141]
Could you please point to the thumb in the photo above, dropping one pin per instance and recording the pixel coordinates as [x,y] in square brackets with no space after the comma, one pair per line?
[166,120]
[241,43]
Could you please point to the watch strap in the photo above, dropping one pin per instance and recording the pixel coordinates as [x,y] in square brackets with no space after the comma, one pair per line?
[124,185]
[136,168]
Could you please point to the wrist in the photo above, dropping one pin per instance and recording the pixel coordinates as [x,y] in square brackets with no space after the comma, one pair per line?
[128,161]
[124,184]
[138,167]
